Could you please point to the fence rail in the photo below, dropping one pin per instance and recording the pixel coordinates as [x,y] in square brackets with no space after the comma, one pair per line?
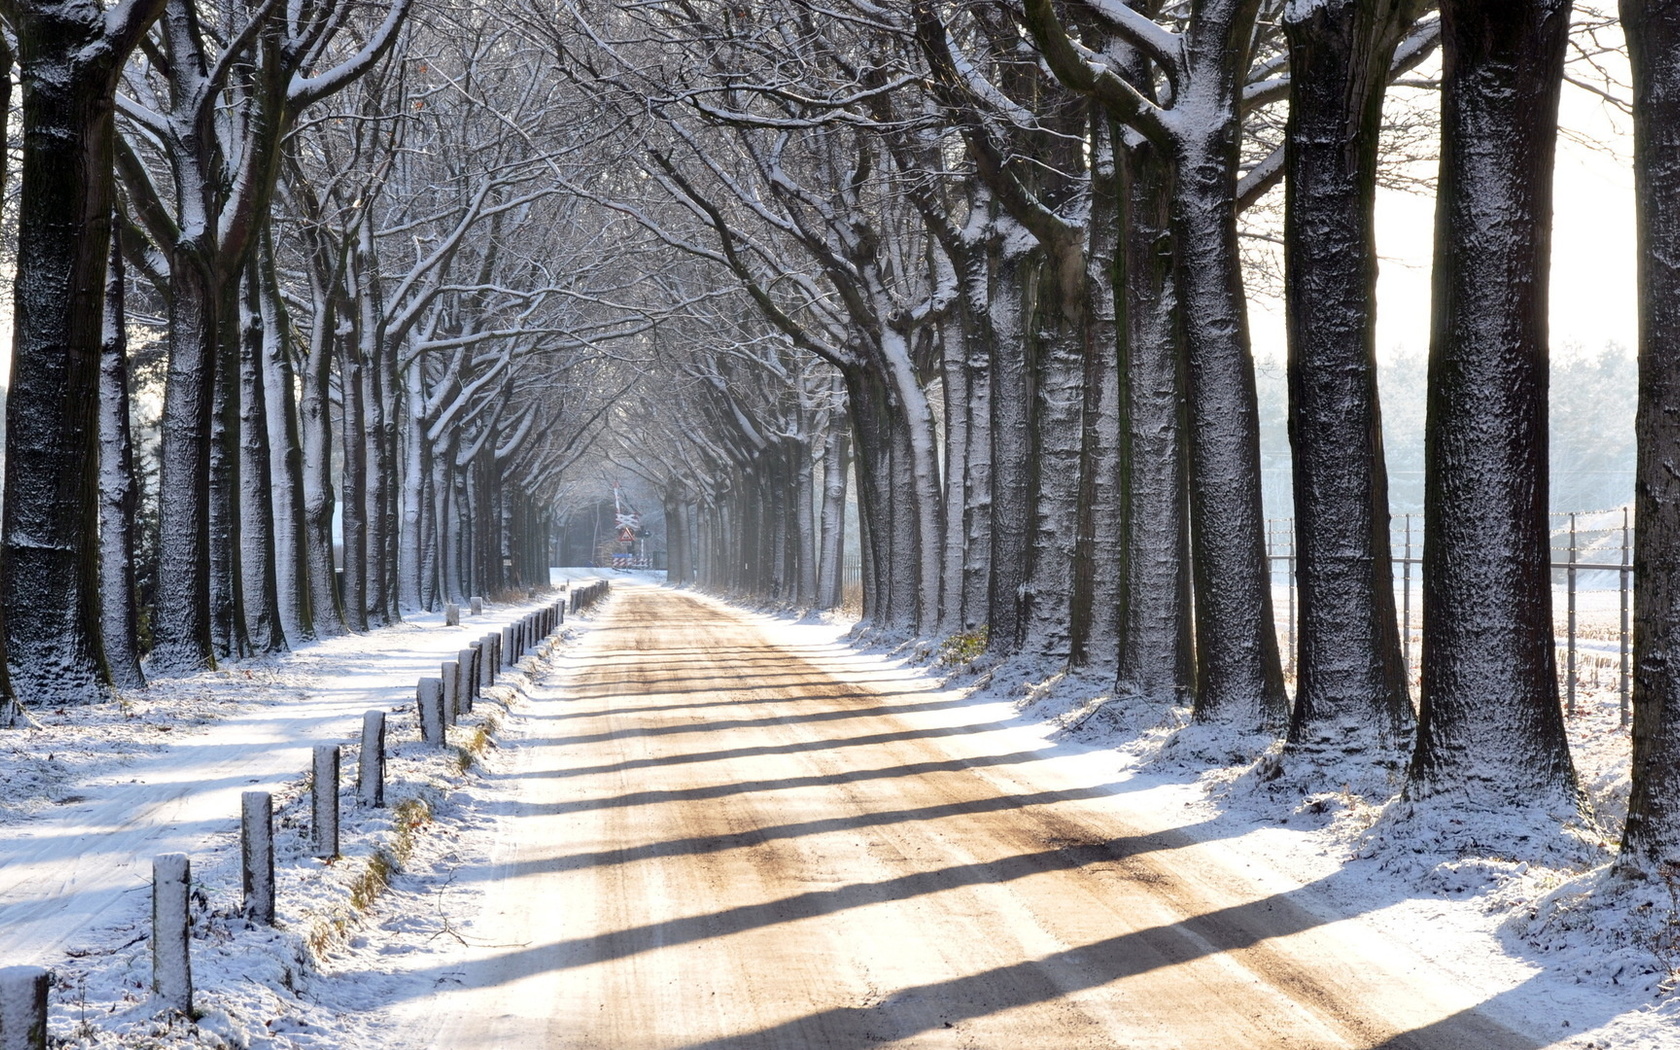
[1595,533]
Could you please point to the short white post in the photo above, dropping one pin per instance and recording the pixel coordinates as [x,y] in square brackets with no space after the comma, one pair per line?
[451,682]
[370,764]
[487,662]
[325,809]
[172,931]
[256,851]
[23,1007]
[451,615]
[476,605]
[429,696]
[510,656]
[464,681]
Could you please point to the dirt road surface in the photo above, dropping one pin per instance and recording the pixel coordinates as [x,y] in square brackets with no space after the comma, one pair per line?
[721,842]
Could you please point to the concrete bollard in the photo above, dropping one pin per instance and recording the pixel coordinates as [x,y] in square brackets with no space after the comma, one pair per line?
[429,696]
[451,615]
[476,605]
[23,1007]
[172,931]
[510,656]
[560,613]
[487,662]
[464,681]
[324,812]
[256,853]
[451,683]
[370,764]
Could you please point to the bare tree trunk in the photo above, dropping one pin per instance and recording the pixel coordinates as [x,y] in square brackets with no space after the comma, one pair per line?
[183,640]
[316,421]
[256,488]
[227,607]
[1096,578]
[291,564]
[953,367]
[1351,683]
[1157,648]
[1490,734]
[836,463]
[1236,639]
[1012,373]
[352,483]
[1652,834]
[412,551]
[119,495]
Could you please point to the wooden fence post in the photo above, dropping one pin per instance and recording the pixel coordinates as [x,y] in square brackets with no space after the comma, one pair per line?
[256,851]
[172,931]
[23,1007]
[429,696]
[370,764]
[324,828]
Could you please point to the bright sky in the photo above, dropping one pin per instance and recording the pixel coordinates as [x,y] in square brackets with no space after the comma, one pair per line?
[1593,244]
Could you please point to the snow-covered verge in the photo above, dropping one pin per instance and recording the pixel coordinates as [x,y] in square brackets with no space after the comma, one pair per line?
[93,793]
[1526,905]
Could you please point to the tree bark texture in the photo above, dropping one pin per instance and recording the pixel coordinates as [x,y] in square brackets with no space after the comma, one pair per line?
[1241,677]
[1351,688]
[69,60]
[1490,734]
[119,492]
[1652,834]
[1157,649]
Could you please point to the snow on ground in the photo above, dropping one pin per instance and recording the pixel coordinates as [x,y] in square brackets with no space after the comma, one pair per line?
[1550,941]
[92,794]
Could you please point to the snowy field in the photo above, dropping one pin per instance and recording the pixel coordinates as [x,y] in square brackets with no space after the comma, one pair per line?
[1524,921]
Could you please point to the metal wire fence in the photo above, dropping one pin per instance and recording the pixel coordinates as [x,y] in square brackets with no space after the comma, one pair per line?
[1592,592]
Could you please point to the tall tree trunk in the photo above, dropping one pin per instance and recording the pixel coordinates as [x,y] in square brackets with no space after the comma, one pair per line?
[256,488]
[958,410]
[352,481]
[1012,370]
[181,621]
[49,571]
[1057,324]
[316,424]
[412,552]
[1236,639]
[1350,679]
[227,610]
[1157,649]
[976,479]
[1490,734]
[1096,577]
[285,444]
[119,494]
[836,464]
[1652,834]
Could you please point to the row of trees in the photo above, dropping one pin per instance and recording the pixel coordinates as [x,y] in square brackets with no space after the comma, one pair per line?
[1013,232]
[285,227]
[399,267]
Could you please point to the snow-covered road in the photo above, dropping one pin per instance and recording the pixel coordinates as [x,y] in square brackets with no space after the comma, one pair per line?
[714,840]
